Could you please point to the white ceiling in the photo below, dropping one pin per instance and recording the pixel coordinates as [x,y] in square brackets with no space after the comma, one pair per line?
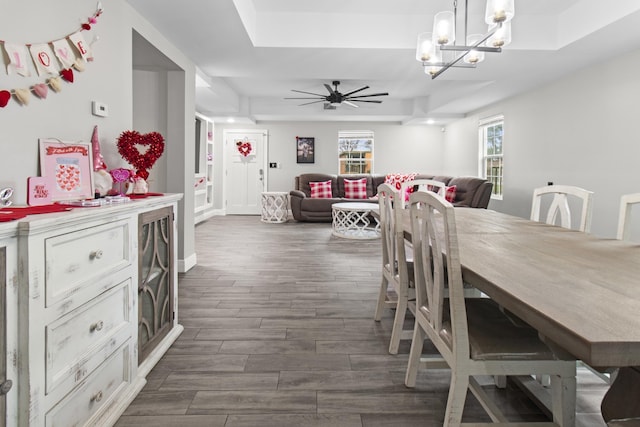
[253,52]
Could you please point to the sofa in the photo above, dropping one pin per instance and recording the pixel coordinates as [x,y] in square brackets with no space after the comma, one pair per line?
[471,192]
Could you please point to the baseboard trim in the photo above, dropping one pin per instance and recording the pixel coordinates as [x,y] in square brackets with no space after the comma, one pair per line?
[187,264]
[156,354]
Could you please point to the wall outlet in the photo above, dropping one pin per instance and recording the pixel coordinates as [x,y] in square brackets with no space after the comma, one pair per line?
[99,109]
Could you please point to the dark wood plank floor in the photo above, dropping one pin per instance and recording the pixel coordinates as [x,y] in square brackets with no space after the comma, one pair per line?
[279,332]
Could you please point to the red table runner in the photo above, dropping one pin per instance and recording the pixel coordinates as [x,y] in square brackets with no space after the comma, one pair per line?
[16,212]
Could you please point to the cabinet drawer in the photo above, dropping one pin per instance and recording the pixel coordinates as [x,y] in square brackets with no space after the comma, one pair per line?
[98,391]
[84,256]
[79,342]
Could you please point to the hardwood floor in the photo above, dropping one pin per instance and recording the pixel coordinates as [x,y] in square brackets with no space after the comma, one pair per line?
[279,332]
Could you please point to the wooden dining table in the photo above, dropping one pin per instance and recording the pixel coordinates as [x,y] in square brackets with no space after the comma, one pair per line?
[579,291]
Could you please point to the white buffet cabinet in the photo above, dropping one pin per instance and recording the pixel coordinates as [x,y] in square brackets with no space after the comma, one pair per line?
[72,334]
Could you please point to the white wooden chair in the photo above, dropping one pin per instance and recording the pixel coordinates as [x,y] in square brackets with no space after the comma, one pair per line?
[624,221]
[422,184]
[397,270]
[473,335]
[560,205]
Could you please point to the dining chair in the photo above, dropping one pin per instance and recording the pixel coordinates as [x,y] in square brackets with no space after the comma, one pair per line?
[409,187]
[619,405]
[397,269]
[474,336]
[560,205]
[624,221]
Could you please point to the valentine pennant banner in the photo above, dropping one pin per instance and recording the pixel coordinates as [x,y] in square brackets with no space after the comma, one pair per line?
[53,58]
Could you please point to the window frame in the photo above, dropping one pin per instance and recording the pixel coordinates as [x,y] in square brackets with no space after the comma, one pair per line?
[360,161]
[497,192]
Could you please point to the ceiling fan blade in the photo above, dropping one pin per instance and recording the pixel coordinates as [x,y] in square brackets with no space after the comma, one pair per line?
[322,98]
[356,91]
[308,93]
[367,96]
[350,104]
[312,102]
[364,100]
[330,89]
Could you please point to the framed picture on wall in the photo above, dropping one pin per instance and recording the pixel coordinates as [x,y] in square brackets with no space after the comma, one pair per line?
[305,149]
[67,168]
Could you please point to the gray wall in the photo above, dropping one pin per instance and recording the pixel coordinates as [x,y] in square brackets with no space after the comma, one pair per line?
[580,130]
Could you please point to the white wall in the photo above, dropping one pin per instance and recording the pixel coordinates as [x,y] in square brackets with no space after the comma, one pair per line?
[396,149]
[108,79]
[581,130]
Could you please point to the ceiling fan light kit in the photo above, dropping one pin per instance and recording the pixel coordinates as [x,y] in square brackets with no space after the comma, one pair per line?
[433,48]
[335,98]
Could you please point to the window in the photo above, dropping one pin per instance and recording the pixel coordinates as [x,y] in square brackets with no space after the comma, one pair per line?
[491,161]
[355,152]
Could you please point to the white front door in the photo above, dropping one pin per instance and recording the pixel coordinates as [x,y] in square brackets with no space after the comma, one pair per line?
[245,177]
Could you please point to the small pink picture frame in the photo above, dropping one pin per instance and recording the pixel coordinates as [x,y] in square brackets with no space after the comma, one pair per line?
[67,168]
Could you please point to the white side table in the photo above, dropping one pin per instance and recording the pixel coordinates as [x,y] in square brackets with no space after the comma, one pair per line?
[351,220]
[275,206]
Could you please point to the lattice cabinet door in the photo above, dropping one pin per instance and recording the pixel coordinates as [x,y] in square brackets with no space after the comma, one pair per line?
[155,286]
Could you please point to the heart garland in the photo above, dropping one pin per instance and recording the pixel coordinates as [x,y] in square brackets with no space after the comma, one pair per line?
[127,147]
[244,148]
[22,95]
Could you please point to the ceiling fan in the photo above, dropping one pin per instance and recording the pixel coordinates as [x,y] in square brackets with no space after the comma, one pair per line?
[336,98]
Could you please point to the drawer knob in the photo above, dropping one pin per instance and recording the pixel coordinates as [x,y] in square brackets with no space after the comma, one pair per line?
[5,387]
[96,254]
[96,326]
[96,397]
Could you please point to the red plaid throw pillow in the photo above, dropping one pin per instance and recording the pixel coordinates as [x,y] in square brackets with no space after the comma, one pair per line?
[355,188]
[450,193]
[321,190]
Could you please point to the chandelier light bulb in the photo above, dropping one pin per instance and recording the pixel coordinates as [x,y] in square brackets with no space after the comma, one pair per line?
[502,37]
[444,28]
[499,11]
[474,56]
[431,69]
[425,48]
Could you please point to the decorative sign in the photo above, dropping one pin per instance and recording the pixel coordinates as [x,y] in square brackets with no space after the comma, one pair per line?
[67,168]
[39,191]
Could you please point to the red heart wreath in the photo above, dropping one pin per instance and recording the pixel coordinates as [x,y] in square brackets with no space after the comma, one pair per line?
[127,142]
[244,148]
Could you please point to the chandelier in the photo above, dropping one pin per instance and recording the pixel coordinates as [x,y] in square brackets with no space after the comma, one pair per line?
[438,50]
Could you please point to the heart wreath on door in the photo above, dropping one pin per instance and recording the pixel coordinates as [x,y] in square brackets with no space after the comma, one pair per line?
[244,147]
[128,143]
